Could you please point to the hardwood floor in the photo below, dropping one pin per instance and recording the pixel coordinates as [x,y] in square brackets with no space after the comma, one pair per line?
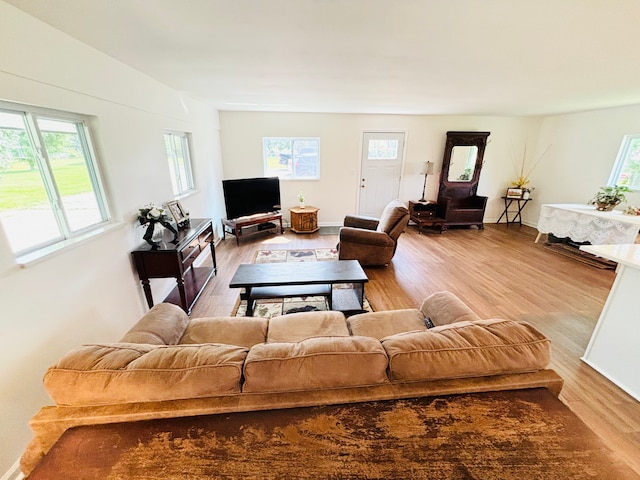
[501,273]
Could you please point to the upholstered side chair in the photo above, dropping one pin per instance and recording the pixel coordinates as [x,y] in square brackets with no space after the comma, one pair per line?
[373,241]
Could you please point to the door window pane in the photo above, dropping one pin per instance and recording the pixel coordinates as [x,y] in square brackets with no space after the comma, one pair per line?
[383,149]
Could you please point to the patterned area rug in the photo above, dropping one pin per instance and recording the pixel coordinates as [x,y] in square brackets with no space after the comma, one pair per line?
[512,435]
[273,307]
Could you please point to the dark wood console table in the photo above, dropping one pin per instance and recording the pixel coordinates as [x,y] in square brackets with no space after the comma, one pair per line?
[176,260]
[259,220]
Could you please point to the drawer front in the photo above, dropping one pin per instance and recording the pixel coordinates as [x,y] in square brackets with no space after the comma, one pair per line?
[190,253]
[199,244]
[424,213]
[205,238]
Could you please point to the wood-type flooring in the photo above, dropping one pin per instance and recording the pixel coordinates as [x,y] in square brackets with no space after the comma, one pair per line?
[500,273]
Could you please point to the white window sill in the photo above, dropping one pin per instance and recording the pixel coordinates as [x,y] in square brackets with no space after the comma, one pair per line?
[32,258]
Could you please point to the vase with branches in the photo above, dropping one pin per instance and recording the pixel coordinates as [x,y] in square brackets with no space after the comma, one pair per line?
[522,174]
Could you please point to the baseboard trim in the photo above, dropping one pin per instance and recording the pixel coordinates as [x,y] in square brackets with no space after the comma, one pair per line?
[13,473]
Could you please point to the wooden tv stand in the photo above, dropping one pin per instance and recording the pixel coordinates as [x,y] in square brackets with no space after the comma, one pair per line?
[236,225]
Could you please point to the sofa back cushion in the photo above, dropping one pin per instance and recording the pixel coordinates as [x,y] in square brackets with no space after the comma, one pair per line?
[467,349]
[298,326]
[315,364]
[241,331]
[385,323]
[126,373]
[164,324]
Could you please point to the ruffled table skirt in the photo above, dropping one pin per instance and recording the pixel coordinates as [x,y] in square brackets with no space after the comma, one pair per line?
[583,223]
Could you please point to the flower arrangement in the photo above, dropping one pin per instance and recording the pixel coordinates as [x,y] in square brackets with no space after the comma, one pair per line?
[608,197]
[152,215]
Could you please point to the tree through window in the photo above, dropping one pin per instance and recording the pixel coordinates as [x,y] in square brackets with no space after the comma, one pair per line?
[50,189]
[626,170]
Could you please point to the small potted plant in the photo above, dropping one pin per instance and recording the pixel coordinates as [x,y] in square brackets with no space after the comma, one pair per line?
[609,197]
[301,200]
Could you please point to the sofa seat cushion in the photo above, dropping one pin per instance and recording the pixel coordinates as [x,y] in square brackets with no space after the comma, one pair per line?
[443,308]
[298,326]
[125,373]
[466,349]
[241,331]
[314,364]
[383,324]
[163,324]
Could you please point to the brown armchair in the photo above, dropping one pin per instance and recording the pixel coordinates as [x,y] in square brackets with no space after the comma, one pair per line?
[373,241]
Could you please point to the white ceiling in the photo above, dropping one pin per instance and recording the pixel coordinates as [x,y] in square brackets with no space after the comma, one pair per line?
[502,57]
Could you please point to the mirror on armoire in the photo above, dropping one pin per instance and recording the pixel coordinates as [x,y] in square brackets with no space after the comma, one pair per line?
[458,202]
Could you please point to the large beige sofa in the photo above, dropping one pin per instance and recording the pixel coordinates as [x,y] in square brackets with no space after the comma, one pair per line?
[168,365]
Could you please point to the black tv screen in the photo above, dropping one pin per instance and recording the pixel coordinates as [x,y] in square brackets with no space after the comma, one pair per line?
[248,196]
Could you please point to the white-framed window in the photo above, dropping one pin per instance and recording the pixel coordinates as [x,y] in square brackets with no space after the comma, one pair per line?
[177,146]
[50,186]
[291,158]
[626,170]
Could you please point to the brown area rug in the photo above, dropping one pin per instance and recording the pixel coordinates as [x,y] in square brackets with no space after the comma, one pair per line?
[515,435]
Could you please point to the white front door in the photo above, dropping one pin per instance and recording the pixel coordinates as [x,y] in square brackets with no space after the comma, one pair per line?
[380,172]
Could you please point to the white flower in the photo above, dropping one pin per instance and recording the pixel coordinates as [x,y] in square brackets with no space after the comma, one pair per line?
[154,213]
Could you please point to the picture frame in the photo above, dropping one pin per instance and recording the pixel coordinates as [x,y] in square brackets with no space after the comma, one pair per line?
[178,213]
[514,193]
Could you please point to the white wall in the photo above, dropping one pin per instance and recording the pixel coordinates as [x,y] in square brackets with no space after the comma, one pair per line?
[336,193]
[583,149]
[88,293]
[576,153]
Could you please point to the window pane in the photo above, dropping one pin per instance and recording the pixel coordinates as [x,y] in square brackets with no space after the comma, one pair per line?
[168,143]
[293,158]
[383,149]
[177,147]
[628,163]
[69,168]
[305,159]
[25,209]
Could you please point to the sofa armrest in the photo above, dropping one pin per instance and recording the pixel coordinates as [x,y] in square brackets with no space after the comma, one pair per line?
[114,373]
[164,324]
[467,349]
[365,237]
[443,308]
[360,221]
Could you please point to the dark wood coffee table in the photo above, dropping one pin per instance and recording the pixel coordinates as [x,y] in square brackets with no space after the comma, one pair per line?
[293,279]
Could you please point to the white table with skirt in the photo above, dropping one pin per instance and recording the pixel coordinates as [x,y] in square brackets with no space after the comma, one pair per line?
[583,223]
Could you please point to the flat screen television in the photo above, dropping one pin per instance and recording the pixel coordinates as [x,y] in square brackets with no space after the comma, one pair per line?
[248,196]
